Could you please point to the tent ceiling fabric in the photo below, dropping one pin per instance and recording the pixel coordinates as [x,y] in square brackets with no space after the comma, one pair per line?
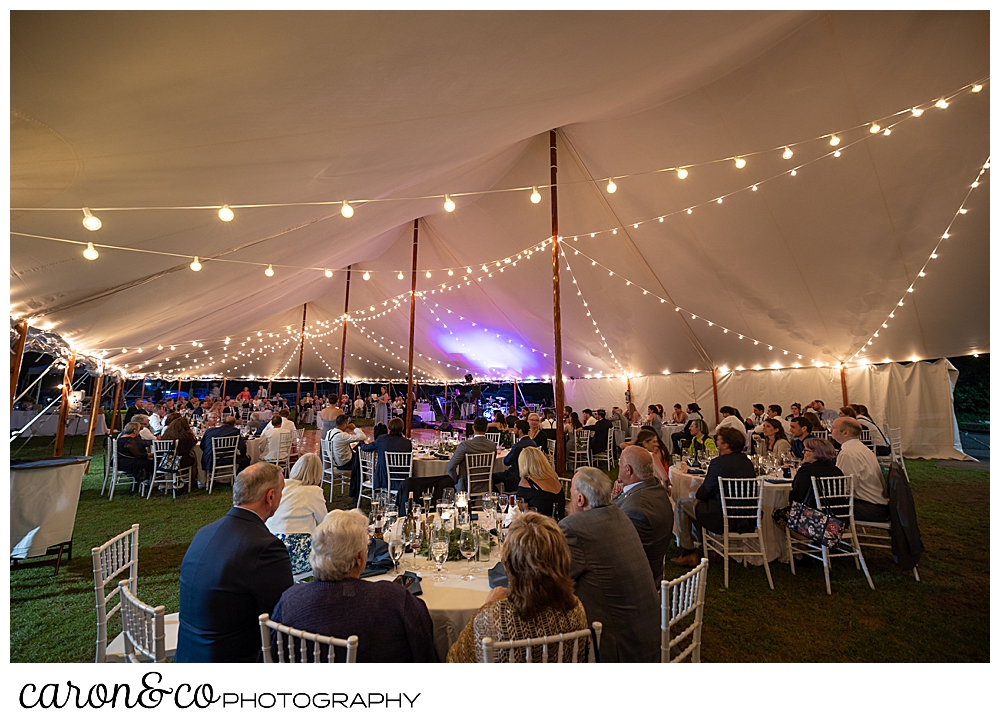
[172,109]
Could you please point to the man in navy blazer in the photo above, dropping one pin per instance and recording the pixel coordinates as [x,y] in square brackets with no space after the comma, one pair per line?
[226,429]
[233,571]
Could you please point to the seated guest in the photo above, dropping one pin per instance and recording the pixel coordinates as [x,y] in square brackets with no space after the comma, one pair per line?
[588,419]
[647,504]
[287,425]
[510,420]
[233,571]
[801,430]
[679,416]
[882,448]
[827,416]
[651,442]
[538,600]
[756,418]
[705,510]
[144,432]
[601,426]
[539,486]
[633,415]
[611,573]
[618,419]
[272,437]
[156,425]
[499,421]
[536,432]
[700,441]
[730,418]
[818,460]
[302,508]
[344,436]
[680,440]
[379,429]
[653,419]
[478,443]
[508,479]
[871,502]
[847,412]
[359,407]
[230,409]
[392,441]
[228,429]
[573,423]
[136,408]
[815,422]
[773,412]
[796,412]
[168,420]
[265,421]
[550,420]
[777,442]
[134,455]
[392,624]
[180,429]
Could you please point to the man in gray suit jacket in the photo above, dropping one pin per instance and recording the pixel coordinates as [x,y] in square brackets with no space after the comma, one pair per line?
[610,571]
[478,443]
[647,503]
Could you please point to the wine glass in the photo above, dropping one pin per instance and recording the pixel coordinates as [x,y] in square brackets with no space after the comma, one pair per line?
[468,546]
[502,503]
[426,497]
[397,543]
[448,495]
[440,540]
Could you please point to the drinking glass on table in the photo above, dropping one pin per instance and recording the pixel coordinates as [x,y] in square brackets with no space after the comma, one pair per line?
[397,543]
[468,546]
[440,539]
[502,503]
[448,495]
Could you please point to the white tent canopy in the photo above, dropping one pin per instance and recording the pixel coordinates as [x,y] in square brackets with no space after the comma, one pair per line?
[152,110]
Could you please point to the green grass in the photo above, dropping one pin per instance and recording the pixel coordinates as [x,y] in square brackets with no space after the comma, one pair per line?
[943,618]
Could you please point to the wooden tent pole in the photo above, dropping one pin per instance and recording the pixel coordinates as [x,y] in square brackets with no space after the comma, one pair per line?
[413,311]
[560,393]
[843,383]
[715,395]
[16,355]
[95,409]
[515,393]
[222,394]
[64,408]
[343,340]
[302,346]
[142,389]
[117,405]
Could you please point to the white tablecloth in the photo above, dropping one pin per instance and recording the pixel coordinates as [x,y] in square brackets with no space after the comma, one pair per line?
[432,467]
[253,450]
[775,496]
[47,424]
[453,603]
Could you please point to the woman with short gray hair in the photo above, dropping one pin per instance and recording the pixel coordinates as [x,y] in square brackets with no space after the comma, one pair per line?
[302,508]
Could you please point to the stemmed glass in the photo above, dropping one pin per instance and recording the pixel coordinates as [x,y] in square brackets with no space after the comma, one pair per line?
[440,539]
[468,546]
[397,543]
[448,495]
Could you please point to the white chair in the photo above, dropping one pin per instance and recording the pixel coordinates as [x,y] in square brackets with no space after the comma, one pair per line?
[878,534]
[494,437]
[820,434]
[289,653]
[547,649]
[835,496]
[896,448]
[284,456]
[399,465]
[867,439]
[480,473]
[580,451]
[116,474]
[550,445]
[741,500]
[679,598]
[224,450]
[114,557]
[143,628]
[162,450]
[331,475]
[567,485]
[607,456]
[367,464]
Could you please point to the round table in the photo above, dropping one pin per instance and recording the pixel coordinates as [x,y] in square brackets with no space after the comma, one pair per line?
[428,466]
[775,496]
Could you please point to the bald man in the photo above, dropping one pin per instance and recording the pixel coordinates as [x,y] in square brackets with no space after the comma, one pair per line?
[647,504]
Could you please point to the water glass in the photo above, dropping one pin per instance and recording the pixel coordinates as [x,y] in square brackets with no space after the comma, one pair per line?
[468,546]
[440,540]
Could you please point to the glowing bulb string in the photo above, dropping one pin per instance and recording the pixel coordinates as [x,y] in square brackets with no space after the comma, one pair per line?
[962,210]
[225,211]
[677,309]
[336,373]
[597,330]
[430,359]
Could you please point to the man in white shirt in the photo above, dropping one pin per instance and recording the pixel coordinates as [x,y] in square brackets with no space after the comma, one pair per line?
[773,412]
[156,420]
[870,501]
[344,435]
[273,434]
[550,421]
[287,424]
[731,418]
[588,418]
[757,418]
[143,421]
[827,416]
[359,407]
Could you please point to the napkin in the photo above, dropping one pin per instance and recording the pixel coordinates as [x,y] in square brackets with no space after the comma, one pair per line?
[497,575]
[379,561]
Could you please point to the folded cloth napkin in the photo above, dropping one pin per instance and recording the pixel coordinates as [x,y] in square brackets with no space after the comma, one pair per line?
[497,575]
[379,561]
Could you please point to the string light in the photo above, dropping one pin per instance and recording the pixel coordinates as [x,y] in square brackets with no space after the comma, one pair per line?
[682,173]
[834,140]
[787,154]
[740,162]
[90,253]
[917,112]
[196,264]
[328,274]
[90,221]
[536,197]
[449,205]
[976,88]
[366,276]
[427,274]
[226,213]
[874,128]
[269,271]
[612,186]
[942,104]
[346,210]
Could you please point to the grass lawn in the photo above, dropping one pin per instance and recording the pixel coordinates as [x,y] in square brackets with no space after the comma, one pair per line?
[943,618]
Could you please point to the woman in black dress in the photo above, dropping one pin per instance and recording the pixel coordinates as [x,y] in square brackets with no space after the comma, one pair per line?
[133,453]
[539,486]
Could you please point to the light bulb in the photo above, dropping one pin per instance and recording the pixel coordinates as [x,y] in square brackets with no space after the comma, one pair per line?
[366,276]
[536,197]
[612,186]
[963,211]
[226,213]
[90,253]
[269,271]
[468,269]
[975,184]
[90,221]
[795,172]
[346,211]
[124,350]
[834,140]
[917,112]
[836,154]
[227,341]
[682,173]
[874,128]
[449,205]
[787,154]
[400,276]
[427,274]
[976,88]
[753,187]
[451,272]
[942,104]
[689,211]
[196,264]
[741,163]
[887,132]
[328,274]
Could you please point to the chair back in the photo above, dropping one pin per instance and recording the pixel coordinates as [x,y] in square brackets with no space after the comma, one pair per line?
[867,439]
[326,457]
[284,446]
[550,445]
[367,466]
[567,485]
[480,467]
[548,649]
[399,465]
[494,437]
[162,449]
[820,434]
[224,450]
[291,652]
[581,439]
[741,498]
[679,599]
[117,555]
[835,495]
[143,629]
[896,446]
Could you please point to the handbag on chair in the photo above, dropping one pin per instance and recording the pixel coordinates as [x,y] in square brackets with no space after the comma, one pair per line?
[820,527]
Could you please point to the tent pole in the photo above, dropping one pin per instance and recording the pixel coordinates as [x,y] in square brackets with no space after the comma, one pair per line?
[515,393]
[715,395]
[95,409]
[343,341]
[15,359]
[560,393]
[413,311]
[843,383]
[118,402]
[222,394]
[64,408]
[142,390]
[302,346]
